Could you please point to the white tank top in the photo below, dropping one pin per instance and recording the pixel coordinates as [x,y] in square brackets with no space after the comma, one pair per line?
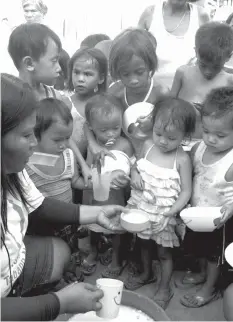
[172,51]
[210,188]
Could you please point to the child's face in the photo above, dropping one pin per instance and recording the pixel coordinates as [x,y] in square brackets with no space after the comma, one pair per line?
[32,14]
[135,75]
[107,127]
[85,75]
[167,138]
[217,133]
[56,138]
[47,68]
[208,69]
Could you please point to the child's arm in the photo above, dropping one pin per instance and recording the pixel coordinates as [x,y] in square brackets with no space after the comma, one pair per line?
[78,181]
[177,82]
[184,166]
[97,151]
[86,171]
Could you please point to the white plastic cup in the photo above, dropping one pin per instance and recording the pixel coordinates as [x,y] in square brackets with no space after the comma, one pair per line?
[112,297]
[101,185]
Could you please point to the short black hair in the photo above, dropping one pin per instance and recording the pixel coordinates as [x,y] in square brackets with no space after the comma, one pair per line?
[47,112]
[101,64]
[30,40]
[92,40]
[102,103]
[178,112]
[219,103]
[132,41]
[214,41]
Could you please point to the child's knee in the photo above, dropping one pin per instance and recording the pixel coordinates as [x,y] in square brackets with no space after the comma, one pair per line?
[164,253]
[61,258]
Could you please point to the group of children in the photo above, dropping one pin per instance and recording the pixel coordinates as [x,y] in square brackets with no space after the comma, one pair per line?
[83,122]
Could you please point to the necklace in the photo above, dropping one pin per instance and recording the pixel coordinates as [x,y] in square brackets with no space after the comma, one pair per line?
[180,22]
[147,95]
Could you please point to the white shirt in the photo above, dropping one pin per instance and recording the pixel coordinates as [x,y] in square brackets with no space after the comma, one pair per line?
[17,220]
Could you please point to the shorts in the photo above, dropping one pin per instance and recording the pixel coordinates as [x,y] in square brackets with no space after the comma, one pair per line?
[38,265]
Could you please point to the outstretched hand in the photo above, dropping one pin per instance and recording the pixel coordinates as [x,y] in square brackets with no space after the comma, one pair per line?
[110,212]
[227,213]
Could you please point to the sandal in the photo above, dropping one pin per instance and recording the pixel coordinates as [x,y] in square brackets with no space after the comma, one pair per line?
[189,280]
[164,299]
[106,258]
[112,272]
[135,282]
[196,301]
[73,273]
[88,268]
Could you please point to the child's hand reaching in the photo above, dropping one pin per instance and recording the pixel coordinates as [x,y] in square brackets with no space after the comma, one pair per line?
[119,179]
[160,226]
[227,213]
[86,172]
[99,153]
[145,123]
[136,180]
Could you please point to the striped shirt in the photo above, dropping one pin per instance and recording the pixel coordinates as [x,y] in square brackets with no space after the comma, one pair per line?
[59,186]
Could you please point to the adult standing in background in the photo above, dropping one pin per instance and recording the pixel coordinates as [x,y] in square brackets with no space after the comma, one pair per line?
[34,10]
[174,24]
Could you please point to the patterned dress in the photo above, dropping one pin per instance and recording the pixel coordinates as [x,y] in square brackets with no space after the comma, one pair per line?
[161,190]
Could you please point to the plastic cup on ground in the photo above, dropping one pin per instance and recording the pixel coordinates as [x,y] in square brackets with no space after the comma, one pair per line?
[101,185]
[112,297]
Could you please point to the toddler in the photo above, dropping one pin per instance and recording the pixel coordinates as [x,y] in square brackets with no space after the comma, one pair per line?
[214,46]
[161,186]
[212,187]
[104,116]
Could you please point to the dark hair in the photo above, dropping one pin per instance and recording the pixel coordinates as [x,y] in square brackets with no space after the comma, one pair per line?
[98,58]
[228,21]
[101,103]
[178,112]
[30,40]
[64,59]
[18,102]
[219,103]
[214,41]
[105,47]
[133,41]
[92,40]
[48,111]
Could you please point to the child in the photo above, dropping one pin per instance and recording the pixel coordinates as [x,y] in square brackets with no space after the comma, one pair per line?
[92,40]
[104,117]
[161,186]
[62,80]
[88,72]
[105,47]
[214,46]
[35,50]
[133,61]
[212,187]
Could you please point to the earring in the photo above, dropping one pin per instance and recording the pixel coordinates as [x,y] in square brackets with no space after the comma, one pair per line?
[96,89]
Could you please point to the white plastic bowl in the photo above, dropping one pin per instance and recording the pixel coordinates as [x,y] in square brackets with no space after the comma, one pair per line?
[229,254]
[135,221]
[200,218]
[133,112]
[122,162]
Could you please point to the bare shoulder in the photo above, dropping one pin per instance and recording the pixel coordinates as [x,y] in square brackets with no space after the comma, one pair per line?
[125,146]
[183,159]
[158,92]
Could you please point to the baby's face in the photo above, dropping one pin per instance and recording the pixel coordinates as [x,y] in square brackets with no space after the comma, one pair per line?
[107,128]
[56,138]
[210,70]
[217,133]
[167,138]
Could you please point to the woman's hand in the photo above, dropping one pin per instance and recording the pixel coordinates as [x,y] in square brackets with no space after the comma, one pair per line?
[136,180]
[107,213]
[227,213]
[79,298]
[86,172]
[119,179]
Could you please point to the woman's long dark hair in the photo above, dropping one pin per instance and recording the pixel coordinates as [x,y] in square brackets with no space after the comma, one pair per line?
[18,102]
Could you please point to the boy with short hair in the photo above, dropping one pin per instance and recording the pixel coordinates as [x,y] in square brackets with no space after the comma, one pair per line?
[214,47]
